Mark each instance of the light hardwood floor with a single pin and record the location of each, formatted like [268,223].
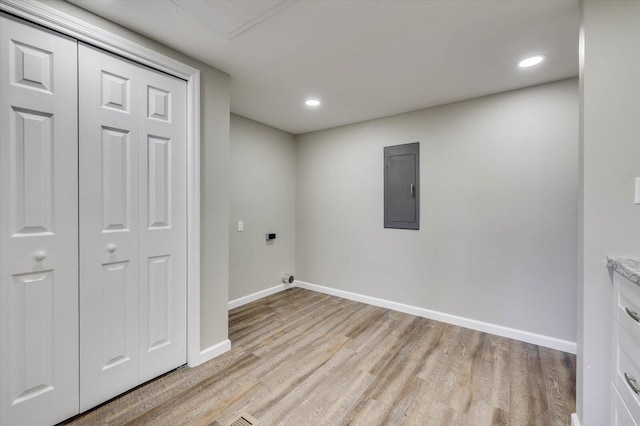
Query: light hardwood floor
[304,358]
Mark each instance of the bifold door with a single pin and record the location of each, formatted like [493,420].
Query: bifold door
[116,187]
[38,226]
[109,295]
[132,224]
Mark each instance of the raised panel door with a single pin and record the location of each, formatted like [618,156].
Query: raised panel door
[132,226]
[38,225]
[162,223]
[109,266]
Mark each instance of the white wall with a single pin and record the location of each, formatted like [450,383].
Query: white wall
[262,180]
[214,118]
[499,182]
[610,157]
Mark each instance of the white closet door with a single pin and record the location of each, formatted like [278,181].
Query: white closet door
[109,295]
[162,224]
[38,226]
[132,225]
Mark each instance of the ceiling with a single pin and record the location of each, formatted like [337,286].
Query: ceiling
[364,59]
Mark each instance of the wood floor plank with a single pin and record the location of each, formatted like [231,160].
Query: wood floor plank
[194,398]
[441,414]
[559,374]
[528,400]
[489,385]
[327,395]
[467,375]
[303,358]
[366,412]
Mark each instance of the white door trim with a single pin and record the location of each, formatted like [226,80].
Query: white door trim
[51,18]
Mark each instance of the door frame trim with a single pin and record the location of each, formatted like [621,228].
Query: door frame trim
[54,19]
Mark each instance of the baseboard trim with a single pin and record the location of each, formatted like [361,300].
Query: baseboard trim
[258,295]
[213,351]
[512,333]
[574,420]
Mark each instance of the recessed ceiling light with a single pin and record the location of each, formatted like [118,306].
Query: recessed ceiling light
[529,62]
[312,102]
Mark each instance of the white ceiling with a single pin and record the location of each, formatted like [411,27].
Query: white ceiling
[364,59]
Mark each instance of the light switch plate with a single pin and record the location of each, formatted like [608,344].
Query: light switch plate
[240,225]
[637,190]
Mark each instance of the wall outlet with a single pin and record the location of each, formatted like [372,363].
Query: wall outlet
[240,225]
[637,190]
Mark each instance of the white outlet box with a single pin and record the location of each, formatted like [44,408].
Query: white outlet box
[240,225]
[637,190]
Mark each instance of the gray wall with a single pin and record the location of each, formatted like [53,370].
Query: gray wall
[499,183]
[610,157]
[214,118]
[262,184]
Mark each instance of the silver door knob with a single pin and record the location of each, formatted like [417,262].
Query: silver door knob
[39,256]
[111,248]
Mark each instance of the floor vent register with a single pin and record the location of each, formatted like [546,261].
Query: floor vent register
[244,420]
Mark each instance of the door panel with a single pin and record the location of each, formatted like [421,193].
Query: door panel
[159,301]
[116,280]
[116,92]
[33,66]
[33,324]
[116,179]
[159,179]
[109,324]
[162,176]
[31,183]
[38,225]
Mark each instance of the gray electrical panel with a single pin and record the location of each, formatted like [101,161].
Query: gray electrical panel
[401,186]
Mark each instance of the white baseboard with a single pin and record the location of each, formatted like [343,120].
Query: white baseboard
[574,420]
[212,351]
[512,333]
[258,295]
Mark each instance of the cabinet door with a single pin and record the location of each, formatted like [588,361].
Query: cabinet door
[401,186]
[162,223]
[108,149]
[38,226]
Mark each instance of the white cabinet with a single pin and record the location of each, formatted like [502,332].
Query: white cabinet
[620,415]
[92,225]
[625,372]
